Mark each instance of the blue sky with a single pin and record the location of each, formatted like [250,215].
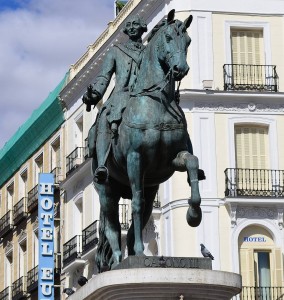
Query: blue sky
[39,40]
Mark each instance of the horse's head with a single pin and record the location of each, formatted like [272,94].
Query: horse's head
[173,45]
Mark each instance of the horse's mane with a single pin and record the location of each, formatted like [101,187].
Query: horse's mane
[160,25]
[156,29]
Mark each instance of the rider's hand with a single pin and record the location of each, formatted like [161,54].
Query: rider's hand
[91,98]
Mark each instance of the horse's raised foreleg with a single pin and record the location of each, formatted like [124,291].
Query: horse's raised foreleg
[134,170]
[190,162]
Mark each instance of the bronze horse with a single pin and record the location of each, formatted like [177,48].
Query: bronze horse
[152,144]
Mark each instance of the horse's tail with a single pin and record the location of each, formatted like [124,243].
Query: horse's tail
[104,252]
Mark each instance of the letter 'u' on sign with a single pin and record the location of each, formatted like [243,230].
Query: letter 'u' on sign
[46,236]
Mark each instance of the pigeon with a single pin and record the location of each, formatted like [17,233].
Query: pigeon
[68,291]
[82,280]
[205,252]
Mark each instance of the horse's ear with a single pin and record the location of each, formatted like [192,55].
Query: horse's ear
[171,16]
[188,21]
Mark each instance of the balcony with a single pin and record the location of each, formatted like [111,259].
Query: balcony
[33,199]
[72,251]
[254,183]
[6,294]
[6,224]
[261,78]
[123,216]
[32,280]
[261,293]
[20,210]
[58,176]
[90,237]
[19,290]
[74,159]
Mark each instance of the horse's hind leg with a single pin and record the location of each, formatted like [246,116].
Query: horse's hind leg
[149,195]
[190,162]
[134,170]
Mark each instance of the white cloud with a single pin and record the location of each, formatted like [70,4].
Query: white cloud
[39,41]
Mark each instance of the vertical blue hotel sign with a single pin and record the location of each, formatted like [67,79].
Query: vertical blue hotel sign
[46,236]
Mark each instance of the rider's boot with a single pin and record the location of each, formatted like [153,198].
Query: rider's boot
[103,142]
[114,129]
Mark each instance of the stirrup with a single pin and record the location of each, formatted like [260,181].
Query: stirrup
[101,174]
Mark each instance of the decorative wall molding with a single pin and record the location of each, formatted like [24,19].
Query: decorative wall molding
[35,224]
[9,248]
[238,107]
[22,236]
[241,212]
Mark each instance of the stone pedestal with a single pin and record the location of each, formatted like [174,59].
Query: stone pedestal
[160,282]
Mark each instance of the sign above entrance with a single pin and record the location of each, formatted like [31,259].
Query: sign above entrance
[257,239]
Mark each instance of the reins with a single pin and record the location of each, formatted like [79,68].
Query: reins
[155,87]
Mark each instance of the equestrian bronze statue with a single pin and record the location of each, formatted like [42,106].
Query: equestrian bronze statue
[144,132]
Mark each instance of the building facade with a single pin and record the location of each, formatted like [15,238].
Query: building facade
[37,147]
[233,102]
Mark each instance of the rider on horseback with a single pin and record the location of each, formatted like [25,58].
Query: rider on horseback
[123,60]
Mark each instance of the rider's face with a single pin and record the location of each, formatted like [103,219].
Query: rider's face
[134,29]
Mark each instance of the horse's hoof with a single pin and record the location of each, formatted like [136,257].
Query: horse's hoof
[101,175]
[194,216]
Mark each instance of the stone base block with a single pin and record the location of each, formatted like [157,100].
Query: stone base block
[160,283]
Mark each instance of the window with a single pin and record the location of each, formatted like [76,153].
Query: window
[261,263]
[251,143]
[79,132]
[23,185]
[22,258]
[35,248]
[10,197]
[8,270]
[248,70]
[38,167]
[55,154]
[262,268]
[247,47]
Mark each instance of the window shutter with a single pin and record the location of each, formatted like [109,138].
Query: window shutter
[251,144]
[247,47]
[278,267]
[247,267]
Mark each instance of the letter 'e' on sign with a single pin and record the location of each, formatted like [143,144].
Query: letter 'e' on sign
[46,236]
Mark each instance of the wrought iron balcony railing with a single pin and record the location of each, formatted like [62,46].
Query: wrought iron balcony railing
[32,279]
[33,199]
[20,210]
[260,293]
[74,159]
[239,77]
[86,149]
[6,294]
[157,202]
[58,176]
[19,290]
[6,223]
[123,216]
[90,236]
[254,183]
[72,250]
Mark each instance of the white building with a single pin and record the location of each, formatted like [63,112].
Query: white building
[233,101]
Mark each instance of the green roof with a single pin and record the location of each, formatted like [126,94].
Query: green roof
[43,122]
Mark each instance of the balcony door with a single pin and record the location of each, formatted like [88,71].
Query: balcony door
[252,160]
[247,57]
